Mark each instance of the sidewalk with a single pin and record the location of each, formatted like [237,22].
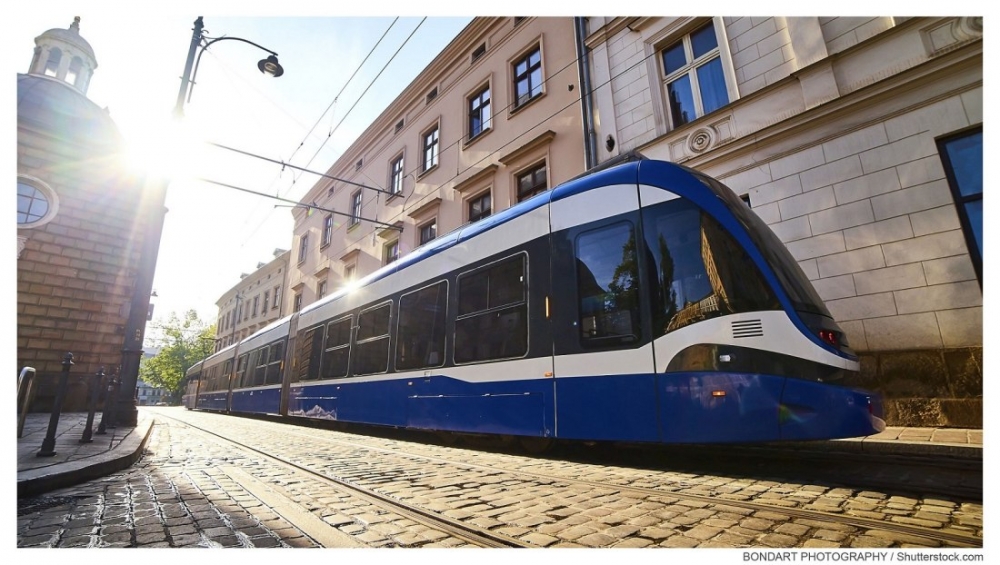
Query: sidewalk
[120,447]
[75,462]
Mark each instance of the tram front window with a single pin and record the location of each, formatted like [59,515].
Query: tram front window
[700,271]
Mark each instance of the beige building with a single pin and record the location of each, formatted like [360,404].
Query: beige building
[494,119]
[254,302]
[859,141]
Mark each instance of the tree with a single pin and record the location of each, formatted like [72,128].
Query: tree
[183,343]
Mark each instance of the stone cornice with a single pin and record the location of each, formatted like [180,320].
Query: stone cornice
[476,177]
[539,140]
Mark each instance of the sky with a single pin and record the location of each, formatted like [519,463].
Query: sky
[212,234]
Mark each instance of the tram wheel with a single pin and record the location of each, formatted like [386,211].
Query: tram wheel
[536,445]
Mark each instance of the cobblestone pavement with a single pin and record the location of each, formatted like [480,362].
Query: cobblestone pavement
[190,490]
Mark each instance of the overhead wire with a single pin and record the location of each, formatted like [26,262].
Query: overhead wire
[498,149]
[343,88]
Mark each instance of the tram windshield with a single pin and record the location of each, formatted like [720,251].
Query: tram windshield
[800,291]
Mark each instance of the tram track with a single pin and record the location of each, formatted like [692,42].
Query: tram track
[470,534]
[676,491]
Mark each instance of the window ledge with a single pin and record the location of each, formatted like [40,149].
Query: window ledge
[427,172]
[517,109]
[479,136]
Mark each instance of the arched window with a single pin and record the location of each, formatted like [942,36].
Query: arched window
[52,65]
[74,76]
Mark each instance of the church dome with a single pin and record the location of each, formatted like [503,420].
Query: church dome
[57,108]
[71,36]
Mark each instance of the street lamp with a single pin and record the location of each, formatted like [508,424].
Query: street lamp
[269,66]
[135,326]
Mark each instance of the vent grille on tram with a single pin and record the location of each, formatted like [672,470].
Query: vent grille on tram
[748,328]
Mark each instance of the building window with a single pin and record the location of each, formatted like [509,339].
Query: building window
[327,230]
[349,272]
[256,302]
[399,126]
[34,204]
[277,297]
[356,208]
[693,77]
[297,304]
[391,252]
[321,290]
[479,112]
[479,207]
[263,308]
[963,163]
[396,176]
[303,246]
[359,164]
[432,95]
[531,182]
[430,149]
[428,231]
[479,52]
[528,77]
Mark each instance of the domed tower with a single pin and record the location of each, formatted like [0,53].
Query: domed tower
[65,55]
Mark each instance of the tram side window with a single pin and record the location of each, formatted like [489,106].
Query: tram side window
[241,370]
[420,336]
[701,272]
[608,285]
[372,345]
[337,352]
[492,321]
[260,366]
[276,356]
[309,350]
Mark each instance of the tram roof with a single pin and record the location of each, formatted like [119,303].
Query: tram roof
[621,170]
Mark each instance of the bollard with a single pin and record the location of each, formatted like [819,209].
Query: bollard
[49,443]
[95,391]
[108,415]
[25,393]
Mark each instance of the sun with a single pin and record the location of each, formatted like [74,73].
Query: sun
[168,148]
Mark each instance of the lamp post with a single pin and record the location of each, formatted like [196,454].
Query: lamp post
[268,66]
[127,414]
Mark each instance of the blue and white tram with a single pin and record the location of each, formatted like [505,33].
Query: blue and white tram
[643,302]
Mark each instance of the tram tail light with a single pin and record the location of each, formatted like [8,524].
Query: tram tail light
[830,337]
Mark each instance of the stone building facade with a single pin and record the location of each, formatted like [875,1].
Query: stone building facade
[87,228]
[859,141]
[254,302]
[494,119]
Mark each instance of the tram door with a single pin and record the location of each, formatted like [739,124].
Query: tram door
[603,359]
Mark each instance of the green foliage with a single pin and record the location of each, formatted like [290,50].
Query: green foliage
[183,343]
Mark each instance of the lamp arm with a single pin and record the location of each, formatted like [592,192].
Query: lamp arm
[205,48]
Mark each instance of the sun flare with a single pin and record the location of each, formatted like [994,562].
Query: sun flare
[171,149]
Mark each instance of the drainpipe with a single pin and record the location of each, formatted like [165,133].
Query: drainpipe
[586,96]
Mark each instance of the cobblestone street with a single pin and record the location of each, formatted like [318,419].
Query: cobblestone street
[191,489]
